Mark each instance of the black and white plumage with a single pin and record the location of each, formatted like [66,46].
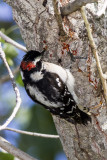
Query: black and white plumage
[53,87]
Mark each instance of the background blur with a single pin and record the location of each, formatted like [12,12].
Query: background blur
[31,117]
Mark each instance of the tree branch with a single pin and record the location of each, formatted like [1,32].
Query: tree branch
[93,46]
[9,40]
[18,99]
[62,33]
[58,18]
[74,6]
[14,151]
[32,133]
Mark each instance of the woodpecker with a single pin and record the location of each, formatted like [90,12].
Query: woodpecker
[53,87]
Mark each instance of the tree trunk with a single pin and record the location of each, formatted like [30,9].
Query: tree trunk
[39,27]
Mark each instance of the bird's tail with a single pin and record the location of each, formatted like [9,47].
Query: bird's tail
[81,116]
[85,115]
[84,118]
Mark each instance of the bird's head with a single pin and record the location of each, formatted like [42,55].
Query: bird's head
[30,60]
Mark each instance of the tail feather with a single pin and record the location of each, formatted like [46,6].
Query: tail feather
[84,114]
[80,117]
[85,118]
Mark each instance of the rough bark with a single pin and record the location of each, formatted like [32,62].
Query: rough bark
[39,28]
[74,6]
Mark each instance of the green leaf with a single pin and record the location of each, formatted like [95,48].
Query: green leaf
[19,80]
[6,156]
[11,29]
[3,31]
[9,50]
[11,53]
[2,40]
[10,61]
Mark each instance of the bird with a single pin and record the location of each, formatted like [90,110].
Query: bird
[52,86]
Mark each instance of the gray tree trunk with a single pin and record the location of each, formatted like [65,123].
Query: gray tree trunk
[39,28]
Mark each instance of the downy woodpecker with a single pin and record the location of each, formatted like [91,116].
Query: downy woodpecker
[53,87]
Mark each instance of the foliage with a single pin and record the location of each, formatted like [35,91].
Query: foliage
[6,156]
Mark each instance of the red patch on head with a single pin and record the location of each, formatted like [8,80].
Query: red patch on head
[27,65]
